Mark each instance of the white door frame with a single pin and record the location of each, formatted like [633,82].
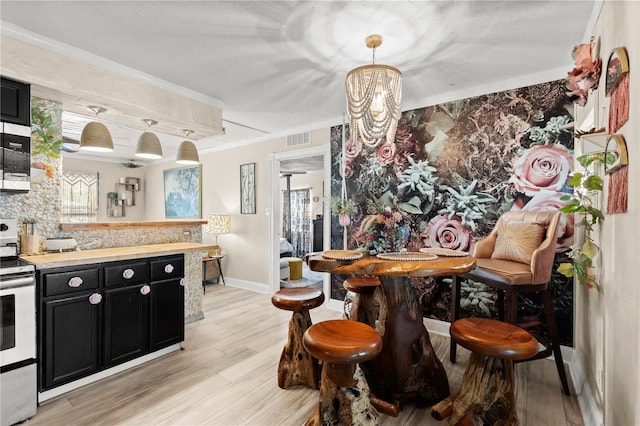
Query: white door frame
[274,208]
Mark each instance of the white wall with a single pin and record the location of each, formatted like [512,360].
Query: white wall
[607,327]
[247,246]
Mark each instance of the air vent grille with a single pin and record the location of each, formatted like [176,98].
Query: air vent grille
[299,139]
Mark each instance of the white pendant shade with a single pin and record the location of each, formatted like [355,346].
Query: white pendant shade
[149,146]
[187,153]
[374,93]
[96,137]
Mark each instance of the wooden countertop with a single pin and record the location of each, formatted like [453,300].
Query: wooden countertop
[72,258]
[123,225]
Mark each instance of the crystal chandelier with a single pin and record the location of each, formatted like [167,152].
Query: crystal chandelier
[373,99]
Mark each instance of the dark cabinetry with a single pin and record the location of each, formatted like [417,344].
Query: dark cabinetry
[93,318]
[15,98]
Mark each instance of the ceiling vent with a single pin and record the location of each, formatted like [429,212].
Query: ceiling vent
[299,139]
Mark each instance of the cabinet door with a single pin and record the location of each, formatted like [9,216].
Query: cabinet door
[71,338]
[167,313]
[126,323]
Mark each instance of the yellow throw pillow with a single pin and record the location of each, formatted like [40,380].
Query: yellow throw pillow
[517,240]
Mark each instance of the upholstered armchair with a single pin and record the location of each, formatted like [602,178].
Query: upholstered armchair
[517,256]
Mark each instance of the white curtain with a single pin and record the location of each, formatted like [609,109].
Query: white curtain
[300,220]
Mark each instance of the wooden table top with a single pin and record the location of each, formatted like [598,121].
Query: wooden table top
[371,265]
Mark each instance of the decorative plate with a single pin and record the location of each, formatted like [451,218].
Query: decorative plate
[444,252]
[342,254]
[406,255]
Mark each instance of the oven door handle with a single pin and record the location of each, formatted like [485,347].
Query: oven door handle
[18,282]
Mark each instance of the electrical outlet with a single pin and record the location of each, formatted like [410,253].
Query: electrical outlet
[186,233]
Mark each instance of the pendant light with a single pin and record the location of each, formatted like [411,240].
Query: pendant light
[374,93]
[187,152]
[95,136]
[148,143]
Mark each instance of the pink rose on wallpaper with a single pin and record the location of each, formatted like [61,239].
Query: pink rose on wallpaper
[353,148]
[542,167]
[348,169]
[550,201]
[386,152]
[447,233]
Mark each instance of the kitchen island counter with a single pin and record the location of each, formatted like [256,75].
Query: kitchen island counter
[83,257]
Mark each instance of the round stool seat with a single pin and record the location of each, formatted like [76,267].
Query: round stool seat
[342,341]
[361,284]
[493,338]
[297,299]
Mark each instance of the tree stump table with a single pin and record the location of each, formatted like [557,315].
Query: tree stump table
[364,308]
[486,395]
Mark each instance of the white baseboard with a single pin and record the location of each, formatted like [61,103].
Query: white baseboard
[247,285]
[591,414]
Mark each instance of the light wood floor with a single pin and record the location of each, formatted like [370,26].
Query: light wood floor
[226,375]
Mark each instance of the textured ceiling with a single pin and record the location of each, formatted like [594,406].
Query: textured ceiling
[278,67]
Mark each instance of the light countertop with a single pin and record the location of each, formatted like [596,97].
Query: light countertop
[72,258]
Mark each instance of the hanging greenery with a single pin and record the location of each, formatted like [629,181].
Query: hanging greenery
[46,134]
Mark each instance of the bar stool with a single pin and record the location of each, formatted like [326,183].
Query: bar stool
[486,395]
[363,307]
[344,393]
[296,366]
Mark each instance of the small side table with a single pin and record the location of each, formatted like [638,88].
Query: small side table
[207,268]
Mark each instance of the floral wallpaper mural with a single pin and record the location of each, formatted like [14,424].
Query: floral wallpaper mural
[451,171]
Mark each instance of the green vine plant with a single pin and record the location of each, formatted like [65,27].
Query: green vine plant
[587,186]
[46,134]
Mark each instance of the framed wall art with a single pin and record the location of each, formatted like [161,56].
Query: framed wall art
[183,193]
[248,188]
[617,66]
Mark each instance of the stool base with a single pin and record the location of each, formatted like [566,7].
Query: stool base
[486,395]
[343,405]
[297,366]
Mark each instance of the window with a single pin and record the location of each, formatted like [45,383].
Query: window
[79,197]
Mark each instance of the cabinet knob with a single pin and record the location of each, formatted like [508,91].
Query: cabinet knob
[145,289]
[183,281]
[168,268]
[75,282]
[128,274]
[95,298]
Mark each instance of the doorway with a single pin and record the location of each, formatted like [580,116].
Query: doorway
[300,182]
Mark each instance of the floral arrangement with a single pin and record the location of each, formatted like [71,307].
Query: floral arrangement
[385,232]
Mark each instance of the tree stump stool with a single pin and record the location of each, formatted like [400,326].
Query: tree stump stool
[486,395]
[364,308]
[297,366]
[344,393]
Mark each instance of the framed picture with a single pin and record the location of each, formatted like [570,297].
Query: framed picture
[248,188]
[617,65]
[182,192]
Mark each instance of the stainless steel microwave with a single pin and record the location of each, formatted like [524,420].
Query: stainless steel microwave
[15,158]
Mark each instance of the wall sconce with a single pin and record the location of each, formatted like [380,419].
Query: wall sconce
[95,136]
[374,93]
[187,152]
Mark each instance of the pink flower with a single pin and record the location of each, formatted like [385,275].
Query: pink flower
[541,167]
[348,169]
[386,152]
[353,148]
[447,233]
[550,201]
